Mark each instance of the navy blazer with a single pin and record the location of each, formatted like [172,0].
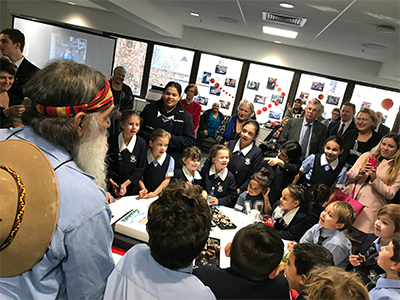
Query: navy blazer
[333,127]
[24,73]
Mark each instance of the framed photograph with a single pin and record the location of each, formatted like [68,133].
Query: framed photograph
[271,83]
[365,104]
[317,86]
[224,104]
[206,77]
[275,115]
[230,82]
[202,100]
[259,99]
[278,98]
[253,85]
[215,91]
[220,69]
[333,100]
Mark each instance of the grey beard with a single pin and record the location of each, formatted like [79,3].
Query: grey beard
[90,156]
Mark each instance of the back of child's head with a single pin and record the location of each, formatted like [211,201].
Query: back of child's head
[320,194]
[333,283]
[179,223]
[256,251]
[308,256]
[297,193]
[338,140]
[393,212]
[126,115]
[293,150]
[214,152]
[159,133]
[345,213]
[396,250]
[262,178]
[192,153]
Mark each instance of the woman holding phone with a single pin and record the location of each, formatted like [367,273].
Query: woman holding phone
[376,178]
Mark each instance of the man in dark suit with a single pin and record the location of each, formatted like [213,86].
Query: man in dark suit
[346,121]
[12,42]
[382,129]
[309,132]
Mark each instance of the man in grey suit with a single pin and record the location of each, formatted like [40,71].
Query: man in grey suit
[308,131]
[382,129]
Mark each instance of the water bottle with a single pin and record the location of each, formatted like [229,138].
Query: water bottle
[210,195]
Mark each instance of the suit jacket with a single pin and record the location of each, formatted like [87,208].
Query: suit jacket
[383,130]
[292,132]
[24,73]
[333,127]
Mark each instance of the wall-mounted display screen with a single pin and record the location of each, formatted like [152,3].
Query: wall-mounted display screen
[170,64]
[329,92]
[217,81]
[387,102]
[45,42]
[268,89]
[131,55]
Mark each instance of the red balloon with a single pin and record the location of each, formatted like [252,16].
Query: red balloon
[276,103]
[387,103]
[212,80]
[283,95]
[320,96]
[270,105]
[258,112]
[216,85]
[280,90]
[264,108]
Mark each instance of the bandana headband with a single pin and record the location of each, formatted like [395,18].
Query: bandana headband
[102,100]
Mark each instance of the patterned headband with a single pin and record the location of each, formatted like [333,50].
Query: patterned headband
[102,100]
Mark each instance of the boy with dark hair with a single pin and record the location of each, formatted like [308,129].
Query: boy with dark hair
[255,253]
[388,285]
[179,224]
[336,217]
[302,259]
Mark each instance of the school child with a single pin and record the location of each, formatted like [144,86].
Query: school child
[303,258]
[246,157]
[335,284]
[217,181]
[325,168]
[387,225]
[319,196]
[336,217]
[256,196]
[282,167]
[255,253]
[127,157]
[160,165]
[388,285]
[289,215]
[190,162]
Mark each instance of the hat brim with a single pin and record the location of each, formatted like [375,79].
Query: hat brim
[41,206]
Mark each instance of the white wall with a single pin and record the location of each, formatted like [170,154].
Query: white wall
[223,44]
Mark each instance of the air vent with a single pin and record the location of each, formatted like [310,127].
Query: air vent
[283,19]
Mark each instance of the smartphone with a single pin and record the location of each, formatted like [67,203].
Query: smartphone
[372,161]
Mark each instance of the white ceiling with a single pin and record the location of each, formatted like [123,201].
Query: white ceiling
[334,26]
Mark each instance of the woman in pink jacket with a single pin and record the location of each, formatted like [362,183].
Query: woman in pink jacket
[375,186]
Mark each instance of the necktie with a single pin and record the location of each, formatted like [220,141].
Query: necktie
[340,133]
[304,141]
[321,239]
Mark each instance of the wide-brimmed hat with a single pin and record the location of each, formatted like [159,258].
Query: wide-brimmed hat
[29,203]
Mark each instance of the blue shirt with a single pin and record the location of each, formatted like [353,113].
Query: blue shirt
[307,169]
[385,289]
[78,260]
[139,276]
[212,125]
[336,242]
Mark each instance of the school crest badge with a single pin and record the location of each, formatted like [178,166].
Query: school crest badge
[247,161]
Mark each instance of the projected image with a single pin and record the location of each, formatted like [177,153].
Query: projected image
[68,48]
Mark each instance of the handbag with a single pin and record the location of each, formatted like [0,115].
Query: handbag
[340,196]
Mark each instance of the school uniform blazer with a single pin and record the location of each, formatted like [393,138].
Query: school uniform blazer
[243,167]
[24,73]
[292,132]
[333,127]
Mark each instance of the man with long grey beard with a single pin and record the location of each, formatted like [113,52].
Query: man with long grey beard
[68,121]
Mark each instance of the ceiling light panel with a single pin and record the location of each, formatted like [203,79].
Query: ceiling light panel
[280,32]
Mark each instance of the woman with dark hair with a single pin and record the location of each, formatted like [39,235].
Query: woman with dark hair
[168,114]
[209,123]
[123,96]
[270,142]
[191,106]
[10,106]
